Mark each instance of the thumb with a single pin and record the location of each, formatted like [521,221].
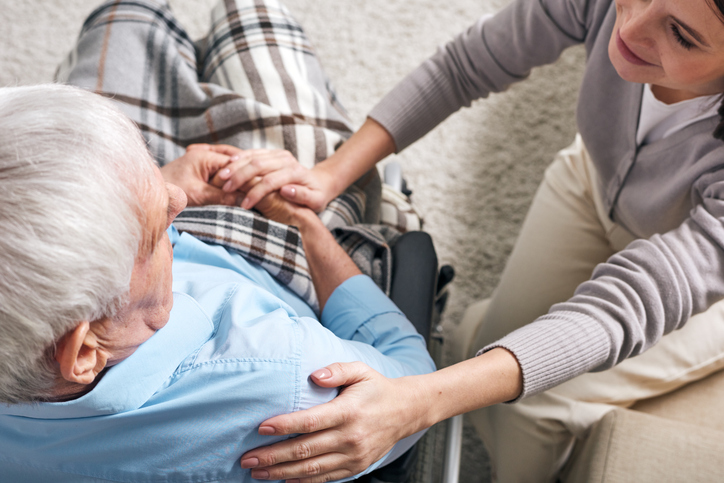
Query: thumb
[213,162]
[211,195]
[341,374]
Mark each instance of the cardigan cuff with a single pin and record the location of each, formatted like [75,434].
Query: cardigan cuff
[555,348]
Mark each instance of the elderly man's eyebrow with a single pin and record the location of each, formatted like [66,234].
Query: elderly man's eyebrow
[164,222]
[157,234]
[697,36]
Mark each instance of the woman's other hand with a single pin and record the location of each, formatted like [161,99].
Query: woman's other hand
[259,172]
[266,171]
[347,434]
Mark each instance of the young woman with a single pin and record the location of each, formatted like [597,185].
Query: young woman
[624,241]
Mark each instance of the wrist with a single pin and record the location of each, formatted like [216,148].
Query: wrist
[355,157]
[330,178]
[419,410]
[306,219]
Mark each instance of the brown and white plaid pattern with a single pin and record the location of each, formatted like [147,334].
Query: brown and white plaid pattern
[274,246]
[252,82]
[278,247]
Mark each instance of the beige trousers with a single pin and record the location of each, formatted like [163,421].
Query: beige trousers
[565,235]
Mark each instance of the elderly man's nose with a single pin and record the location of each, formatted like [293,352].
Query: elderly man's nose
[177,200]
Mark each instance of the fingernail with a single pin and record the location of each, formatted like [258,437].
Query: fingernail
[234,157]
[260,474]
[322,373]
[250,463]
[292,192]
[266,430]
[227,186]
[224,173]
[245,204]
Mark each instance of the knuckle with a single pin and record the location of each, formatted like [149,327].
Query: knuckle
[313,468]
[310,424]
[302,451]
[336,368]
[359,366]
[267,459]
[360,462]
[256,163]
[356,438]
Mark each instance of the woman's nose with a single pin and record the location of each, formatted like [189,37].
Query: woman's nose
[639,20]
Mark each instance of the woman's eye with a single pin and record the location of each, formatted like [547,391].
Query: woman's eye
[680,38]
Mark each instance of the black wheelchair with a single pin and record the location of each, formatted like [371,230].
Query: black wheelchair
[420,290]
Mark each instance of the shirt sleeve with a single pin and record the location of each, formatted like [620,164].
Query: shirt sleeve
[488,57]
[361,324]
[641,293]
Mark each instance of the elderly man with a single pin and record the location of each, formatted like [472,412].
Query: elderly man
[129,352]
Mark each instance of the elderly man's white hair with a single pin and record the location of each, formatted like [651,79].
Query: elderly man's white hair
[72,172]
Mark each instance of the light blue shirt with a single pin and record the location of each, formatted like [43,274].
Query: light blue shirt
[237,350]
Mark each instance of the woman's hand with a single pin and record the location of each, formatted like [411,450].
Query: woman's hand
[259,172]
[369,416]
[193,171]
[348,434]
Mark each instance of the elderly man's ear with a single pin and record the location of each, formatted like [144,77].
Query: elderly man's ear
[79,355]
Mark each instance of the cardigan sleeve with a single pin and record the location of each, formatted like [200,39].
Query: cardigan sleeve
[650,288]
[488,57]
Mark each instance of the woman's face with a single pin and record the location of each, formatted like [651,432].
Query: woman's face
[677,45]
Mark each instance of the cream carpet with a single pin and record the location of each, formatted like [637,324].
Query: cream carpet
[473,177]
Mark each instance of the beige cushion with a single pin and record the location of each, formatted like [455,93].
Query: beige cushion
[676,437]
[631,446]
[700,403]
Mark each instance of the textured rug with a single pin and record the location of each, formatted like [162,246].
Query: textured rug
[472,178]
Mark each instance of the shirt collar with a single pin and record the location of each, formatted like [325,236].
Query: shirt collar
[130,383]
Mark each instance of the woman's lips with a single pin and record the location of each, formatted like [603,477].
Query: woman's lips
[627,54]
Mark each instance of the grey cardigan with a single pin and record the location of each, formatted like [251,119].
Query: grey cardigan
[669,193]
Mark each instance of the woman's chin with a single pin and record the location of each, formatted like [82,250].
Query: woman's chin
[632,73]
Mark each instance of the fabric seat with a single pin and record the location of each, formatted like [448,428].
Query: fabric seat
[675,437]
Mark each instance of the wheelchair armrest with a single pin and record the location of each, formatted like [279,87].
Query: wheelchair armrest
[414,279]
[415,288]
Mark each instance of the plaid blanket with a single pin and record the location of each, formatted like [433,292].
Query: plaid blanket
[253,82]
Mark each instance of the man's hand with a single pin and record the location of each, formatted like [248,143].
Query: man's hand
[259,172]
[346,435]
[262,171]
[278,209]
[273,206]
[193,171]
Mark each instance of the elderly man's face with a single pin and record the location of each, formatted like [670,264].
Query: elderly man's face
[150,297]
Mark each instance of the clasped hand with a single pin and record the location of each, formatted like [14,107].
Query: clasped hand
[227,175]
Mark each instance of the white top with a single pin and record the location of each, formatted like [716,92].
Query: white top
[658,120]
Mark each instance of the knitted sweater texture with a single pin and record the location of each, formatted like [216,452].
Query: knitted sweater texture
[669,193]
